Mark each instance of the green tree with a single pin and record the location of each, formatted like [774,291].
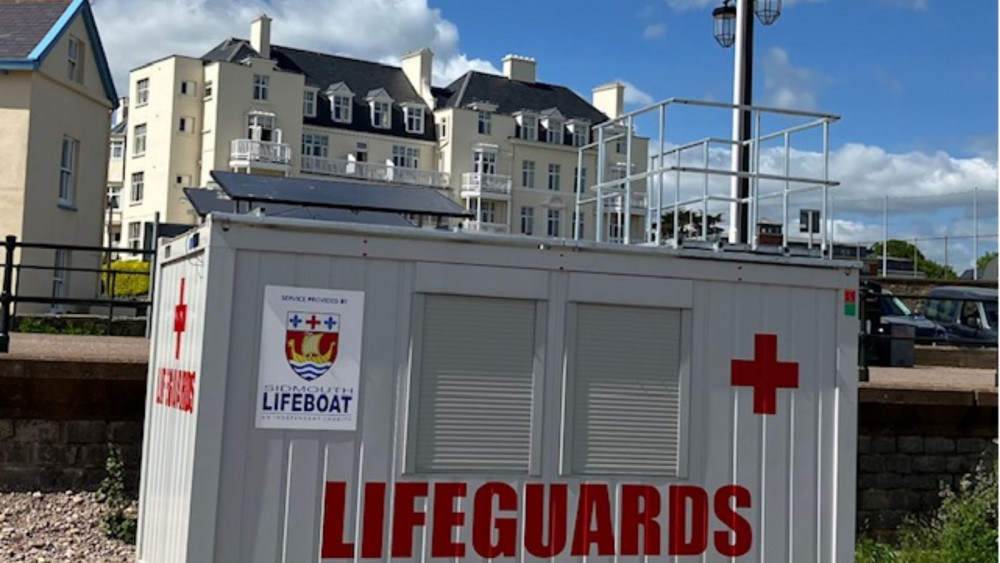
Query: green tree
[985,259]
[903,249]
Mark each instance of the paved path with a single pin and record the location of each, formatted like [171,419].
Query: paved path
[934,377]
[124,349]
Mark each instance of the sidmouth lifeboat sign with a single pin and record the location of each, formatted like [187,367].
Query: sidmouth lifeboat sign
[689,521]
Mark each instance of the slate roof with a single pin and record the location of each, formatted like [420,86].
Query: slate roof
[322,71]
[121,128]
[512,96]
[23,24]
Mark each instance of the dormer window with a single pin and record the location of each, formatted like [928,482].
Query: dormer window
[554,132]
[580,130]
[414,119]
[381,116]
[341,108]
[553,121]
[529,126]
[381,108]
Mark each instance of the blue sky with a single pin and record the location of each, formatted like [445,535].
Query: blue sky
[905,75]
[914,80]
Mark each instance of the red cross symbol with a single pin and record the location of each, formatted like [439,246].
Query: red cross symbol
[180,321]
[313,322]
[765,373]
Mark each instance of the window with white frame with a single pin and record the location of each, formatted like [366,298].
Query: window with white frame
[554,170]
[186,125]
[314,144]
[579,134]
[577,228]
[74,60]
[529,127]
[340,108]
[135,235]
[601,440]
[381,114]
[138,187]
[527,220]
[361,151]
[618,172]
[139,140]
[616,230]
[582,185]
[487,212]
[405,157]
[484,161]
[261,85]
[209,89]
[528,173]
[552,226]
[554,132]
[117,149]
[468,349]
[142,92]
[67,171]
[309,103]
[485,125]
[60,274]
[189,88]
[260,126]
[414,119]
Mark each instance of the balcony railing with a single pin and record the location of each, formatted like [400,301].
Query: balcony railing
[477,184]
[481,227]
[250,151]
[374,171]
[639,203]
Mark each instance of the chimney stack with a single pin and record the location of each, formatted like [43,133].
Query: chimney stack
[417,67]
[516,67]
[260,35]
[609,99]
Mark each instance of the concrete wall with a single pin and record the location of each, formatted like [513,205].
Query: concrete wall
[57,419]
[911,444]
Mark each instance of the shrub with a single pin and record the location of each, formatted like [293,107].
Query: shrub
[963,530]
[130,277]
[119,520]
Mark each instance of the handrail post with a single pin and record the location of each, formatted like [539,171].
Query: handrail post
[6,298]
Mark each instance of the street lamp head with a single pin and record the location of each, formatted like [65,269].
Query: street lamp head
[725,24]
[767,10]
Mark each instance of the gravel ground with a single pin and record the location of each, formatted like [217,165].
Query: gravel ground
[55,527]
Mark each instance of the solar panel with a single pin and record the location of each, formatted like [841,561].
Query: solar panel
[343,194]
[207,201]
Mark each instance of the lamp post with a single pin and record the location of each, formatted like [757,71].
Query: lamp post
[733,25]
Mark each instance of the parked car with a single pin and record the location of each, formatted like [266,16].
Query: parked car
[885,310]
[969,314]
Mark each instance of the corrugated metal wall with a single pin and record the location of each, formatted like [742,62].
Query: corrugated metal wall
[268,505]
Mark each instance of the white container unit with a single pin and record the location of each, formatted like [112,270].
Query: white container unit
[325,392]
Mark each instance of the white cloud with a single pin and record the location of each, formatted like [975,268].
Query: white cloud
[915,5]
[789,86]
[634,96]
[654,30]
[135,33]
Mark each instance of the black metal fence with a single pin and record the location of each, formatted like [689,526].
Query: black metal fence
[102,294]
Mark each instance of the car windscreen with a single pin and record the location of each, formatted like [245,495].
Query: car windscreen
[898,307]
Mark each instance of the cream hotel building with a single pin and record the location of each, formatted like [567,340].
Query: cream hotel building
[504,146]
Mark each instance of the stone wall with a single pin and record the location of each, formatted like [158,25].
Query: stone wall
[58,418]
[911,444]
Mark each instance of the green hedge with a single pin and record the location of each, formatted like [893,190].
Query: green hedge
[127,284]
